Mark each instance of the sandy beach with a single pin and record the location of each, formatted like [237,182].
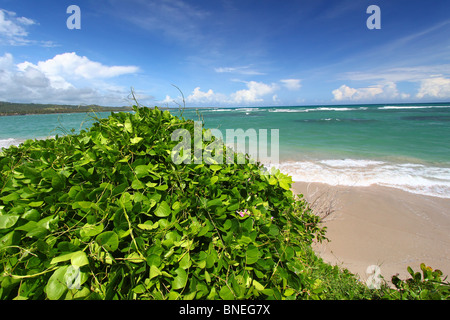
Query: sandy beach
[381,226]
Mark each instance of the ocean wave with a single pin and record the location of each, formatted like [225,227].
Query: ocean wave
[319,109]
[338,109]
[6,143]
[414,178]
[247,109]
[288,110]
[409,107]
[220,110]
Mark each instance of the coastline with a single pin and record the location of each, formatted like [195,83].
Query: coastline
[381,226]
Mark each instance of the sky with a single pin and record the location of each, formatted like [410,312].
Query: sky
[225,53]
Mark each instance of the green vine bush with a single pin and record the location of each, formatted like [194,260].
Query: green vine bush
[106,214]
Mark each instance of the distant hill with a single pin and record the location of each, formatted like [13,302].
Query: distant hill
[10,108]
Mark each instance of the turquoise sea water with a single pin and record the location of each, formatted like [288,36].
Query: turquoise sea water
[402,146]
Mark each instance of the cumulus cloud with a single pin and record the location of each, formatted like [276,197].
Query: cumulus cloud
[291,84]
[65,78]
[70,64]
[433,82]
[380,91]
[438,87]
[255,92]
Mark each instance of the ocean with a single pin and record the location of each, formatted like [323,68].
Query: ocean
[404,146]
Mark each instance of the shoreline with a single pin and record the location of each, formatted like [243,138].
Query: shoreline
[381,226]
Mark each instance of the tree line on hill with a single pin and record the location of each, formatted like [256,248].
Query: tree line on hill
[11,108]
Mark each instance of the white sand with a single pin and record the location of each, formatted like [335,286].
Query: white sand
[382,226]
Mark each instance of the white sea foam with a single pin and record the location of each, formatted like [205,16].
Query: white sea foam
[415,178]
[319,109]
[6,143]
[288,110]
[247,109]
[221,110]
[409,107]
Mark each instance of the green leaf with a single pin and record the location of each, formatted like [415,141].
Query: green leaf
[136,140]
[141,171]
[56,285]
[9,239]
[31,215]
[214,179]
[215,167]
[36,204]
[91,230]
[163,210]
[10,197]
[225,293]
[82,205]
[57,182]
[258,286]
[214,203]
[7,221]
[128,126]
[79,259]
[185,262]
[148,225]
[180,280]
[207,277]
[39,232]
[252,254]
[154,272]
[135,257]
[62,258]
[109,240]
[272,181]
[285,185]
[136,184]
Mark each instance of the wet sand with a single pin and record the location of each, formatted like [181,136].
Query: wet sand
[381,226]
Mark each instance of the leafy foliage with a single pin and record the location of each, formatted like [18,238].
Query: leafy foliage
[106,214]
[427,285]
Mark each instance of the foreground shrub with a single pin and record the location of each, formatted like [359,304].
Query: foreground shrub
[428,285]
[106,214]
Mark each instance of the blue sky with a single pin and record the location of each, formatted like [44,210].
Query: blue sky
[225,53]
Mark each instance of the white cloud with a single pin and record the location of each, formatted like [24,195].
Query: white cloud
[66,78]
[245,70]
[254,92]
[70,64]
[13,29]
[11,26]
[438,87]
[381,91]
[434,82]
[291,84]
[344,93]
[408,74]
[210,96]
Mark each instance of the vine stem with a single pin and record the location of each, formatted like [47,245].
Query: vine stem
[31,275]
